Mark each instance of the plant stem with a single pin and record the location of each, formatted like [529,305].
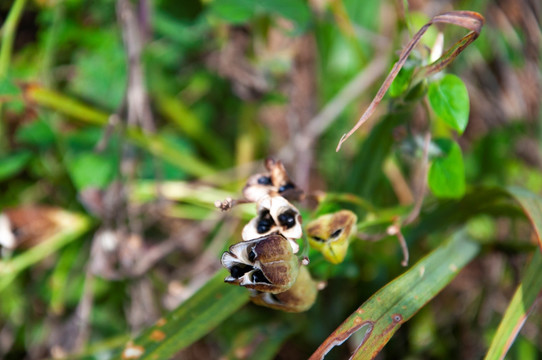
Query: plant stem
[8,36]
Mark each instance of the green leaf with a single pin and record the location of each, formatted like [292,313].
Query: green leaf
[402,81]
[450,101]
[532,206]
[518,310]
[382,315]
[261,341]
[296,10]
[531,283]
[446,176]
[37,133]
[234,11]
[92,170]
[207,308]
[8,88]
[13,163]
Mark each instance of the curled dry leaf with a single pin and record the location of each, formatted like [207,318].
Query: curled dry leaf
[265,264]
[469,20]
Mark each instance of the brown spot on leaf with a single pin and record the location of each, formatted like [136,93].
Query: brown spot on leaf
[161,322]
[157,335]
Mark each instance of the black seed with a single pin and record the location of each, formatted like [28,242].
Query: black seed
[239,270]
[251,255]
[264,180]
[265,222]
[336,233]
[287,218]
[286,186]
[259,277]
[318,239]
[264,226]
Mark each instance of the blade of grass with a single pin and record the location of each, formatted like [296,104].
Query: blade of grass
[381,315]
[207,308]
[8,37]
[521,305]
[530,287]
[74,225]
[261,342]
[153,143]
[532,206]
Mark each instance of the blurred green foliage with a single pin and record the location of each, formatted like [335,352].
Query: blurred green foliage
[223,81]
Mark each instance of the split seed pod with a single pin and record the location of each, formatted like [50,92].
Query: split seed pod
[265,264]
[300,297]
[275,214]
[28,226]
[330,234]
[273,182]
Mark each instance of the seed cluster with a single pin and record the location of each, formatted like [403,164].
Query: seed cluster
[265,261]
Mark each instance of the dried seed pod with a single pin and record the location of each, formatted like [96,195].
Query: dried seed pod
[266,264]
[330,234]
[300,297]
[275,214]
[30,225]
[274,182]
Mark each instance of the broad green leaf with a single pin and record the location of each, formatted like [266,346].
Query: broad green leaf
[8,88]
[382,315]
[234,11]
[450,101]
[446,176]
[207,308]
[296,10]
[101,74]
[72,226]
[518,310]
[92,170]
[13,163]
[37,133]
[402,81]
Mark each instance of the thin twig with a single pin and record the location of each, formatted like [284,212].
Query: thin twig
[419,192]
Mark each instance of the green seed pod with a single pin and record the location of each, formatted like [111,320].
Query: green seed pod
[330,234]
[300,297]
[265,264]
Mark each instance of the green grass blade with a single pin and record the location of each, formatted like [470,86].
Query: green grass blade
[207,308]
[532,206]
[153,143]
[531,283]
[261,342]
[518,310]
[381,315]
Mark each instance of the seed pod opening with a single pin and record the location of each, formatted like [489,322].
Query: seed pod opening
[265,264]
[330,234]
[273,182]
[275,215]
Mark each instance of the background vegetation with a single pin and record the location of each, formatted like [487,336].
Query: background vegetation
[123,122]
